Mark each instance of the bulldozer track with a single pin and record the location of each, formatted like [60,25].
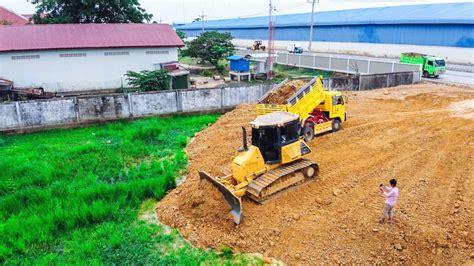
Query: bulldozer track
[275,178]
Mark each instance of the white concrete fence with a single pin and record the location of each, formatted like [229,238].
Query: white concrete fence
[88,109]
[339,63]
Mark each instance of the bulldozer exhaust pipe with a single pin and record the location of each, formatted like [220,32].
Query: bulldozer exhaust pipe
[244,139]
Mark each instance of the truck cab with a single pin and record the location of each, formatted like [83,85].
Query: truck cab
[434,66]
[295,48]
[329,114]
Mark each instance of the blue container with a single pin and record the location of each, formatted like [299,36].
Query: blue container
[239,63]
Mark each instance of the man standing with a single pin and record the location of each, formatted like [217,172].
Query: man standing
[391,195]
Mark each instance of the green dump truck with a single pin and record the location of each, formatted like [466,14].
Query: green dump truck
[433,66]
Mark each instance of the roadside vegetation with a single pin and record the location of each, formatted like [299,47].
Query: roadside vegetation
[149,80]
[75,196]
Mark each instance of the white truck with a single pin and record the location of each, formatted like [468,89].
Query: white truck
[295,48]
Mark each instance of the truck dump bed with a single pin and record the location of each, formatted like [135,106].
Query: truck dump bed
[302,102]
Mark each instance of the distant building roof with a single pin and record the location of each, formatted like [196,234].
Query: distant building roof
[449,13]
[82,36]
[8,17]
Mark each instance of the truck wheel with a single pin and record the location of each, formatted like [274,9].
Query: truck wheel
[336,125]
[436,76]
[308,133]
[425,74]
[311,171]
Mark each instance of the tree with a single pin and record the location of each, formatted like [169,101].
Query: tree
[211,46]
[86,11]
[149,80]
[181,35]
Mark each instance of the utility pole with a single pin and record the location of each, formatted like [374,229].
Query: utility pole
[312,2]
[202,20]
[271,41]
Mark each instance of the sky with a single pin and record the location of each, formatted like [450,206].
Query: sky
[187,10]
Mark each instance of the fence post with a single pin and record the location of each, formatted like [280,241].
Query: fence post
[18,114]
[76,109]
[347,68]
[179,101]
[222,97]
[330,63]
[130,108]
[368,66]
[360,81]
[314,61]
[299,60]
[393,66]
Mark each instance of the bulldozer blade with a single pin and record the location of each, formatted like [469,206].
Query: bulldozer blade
[234,202]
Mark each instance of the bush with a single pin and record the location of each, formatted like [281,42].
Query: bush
[206,73]
[149,80]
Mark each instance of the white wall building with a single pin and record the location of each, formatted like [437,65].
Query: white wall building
[80,57]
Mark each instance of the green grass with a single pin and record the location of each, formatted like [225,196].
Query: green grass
[282,72]
[74,196]
[188,60]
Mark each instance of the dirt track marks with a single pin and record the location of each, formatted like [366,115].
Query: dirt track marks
[410,134]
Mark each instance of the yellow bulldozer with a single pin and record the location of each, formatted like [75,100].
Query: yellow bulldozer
[272,163]
[258,46]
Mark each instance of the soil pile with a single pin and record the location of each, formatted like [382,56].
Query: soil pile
[282,94]
[410,132]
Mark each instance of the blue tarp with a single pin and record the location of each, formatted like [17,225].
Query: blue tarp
[234,57]
[449,13]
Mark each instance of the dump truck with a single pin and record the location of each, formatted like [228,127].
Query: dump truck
[433,66]
[320,110]
[273,162]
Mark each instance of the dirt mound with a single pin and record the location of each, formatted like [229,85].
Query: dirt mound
[285,91]
[408,133]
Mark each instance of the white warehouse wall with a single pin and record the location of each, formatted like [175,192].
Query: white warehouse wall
[452,54]
[94,71]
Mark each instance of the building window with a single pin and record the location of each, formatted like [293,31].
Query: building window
[25,57]
[73,55]
[157,52]
[116,53]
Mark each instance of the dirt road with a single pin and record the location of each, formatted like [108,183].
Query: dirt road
[423,135]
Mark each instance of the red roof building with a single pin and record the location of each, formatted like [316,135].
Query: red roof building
[79,57]
[8,17]
[80,36]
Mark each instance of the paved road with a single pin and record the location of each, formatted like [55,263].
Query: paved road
[456,77]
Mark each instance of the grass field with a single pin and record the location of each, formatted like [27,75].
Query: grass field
[74,196]
[282,72]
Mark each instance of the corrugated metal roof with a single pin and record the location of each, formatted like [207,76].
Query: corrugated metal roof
[81,36]
[450,13]
[8,17]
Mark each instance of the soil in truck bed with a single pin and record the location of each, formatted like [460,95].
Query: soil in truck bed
[280,95]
